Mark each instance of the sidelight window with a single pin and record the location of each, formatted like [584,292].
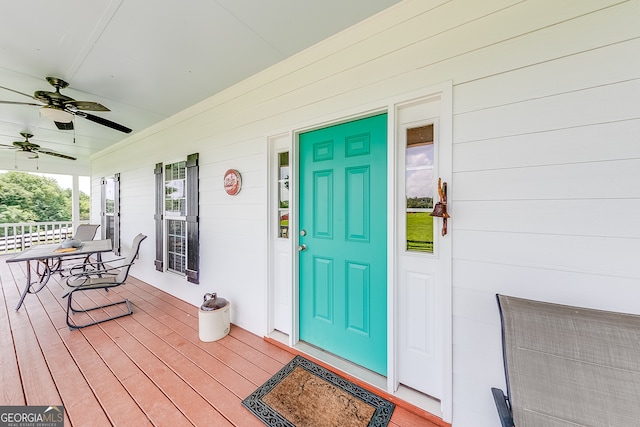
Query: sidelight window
[283,194]
[419,188]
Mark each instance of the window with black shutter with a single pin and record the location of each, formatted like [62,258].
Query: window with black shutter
[177,218]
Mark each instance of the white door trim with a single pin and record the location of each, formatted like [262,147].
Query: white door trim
[445,92]
[279,272]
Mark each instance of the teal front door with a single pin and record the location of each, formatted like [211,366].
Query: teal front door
[343,240]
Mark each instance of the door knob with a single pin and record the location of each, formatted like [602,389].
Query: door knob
[302,248]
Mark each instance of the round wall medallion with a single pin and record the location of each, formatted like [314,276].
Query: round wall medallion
[232,182]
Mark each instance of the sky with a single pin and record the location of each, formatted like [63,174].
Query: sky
[419,171]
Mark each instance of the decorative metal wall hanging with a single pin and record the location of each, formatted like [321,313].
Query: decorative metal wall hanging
[440,209]
[232,182]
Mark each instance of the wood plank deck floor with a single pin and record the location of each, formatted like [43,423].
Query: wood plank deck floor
[146,369]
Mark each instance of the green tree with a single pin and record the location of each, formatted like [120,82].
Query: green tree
[32,198]
[39,198]
[85,206]
[9,214]
[420,202]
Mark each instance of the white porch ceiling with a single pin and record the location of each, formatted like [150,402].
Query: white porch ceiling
[145,59]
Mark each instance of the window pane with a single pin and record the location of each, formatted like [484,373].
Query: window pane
[109,227]
[283,194]
[176,245]
[109,196]
[175,205]
[174,189]
[419,188]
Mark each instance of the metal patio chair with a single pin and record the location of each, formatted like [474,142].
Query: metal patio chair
[568,366]
[91,276]
[83,233]
[86,232]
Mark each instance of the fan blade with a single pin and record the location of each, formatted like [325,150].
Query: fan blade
[87,105]
[21,103]
[19,93]
[64,126]
[101,121]
[53,153]
[7,146]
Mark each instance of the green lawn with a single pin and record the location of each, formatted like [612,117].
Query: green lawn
[419,232]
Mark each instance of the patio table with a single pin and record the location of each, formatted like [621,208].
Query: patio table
[45,253]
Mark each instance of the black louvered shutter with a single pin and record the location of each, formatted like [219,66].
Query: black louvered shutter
[193,224]
[158,217]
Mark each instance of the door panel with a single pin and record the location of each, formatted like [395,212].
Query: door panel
[357,206]
[323,289]
[323,205]
[358,298]
[343,270]
[423,262]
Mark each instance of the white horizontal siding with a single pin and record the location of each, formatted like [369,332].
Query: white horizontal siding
[545,195]
[601,104]
[601,180]
[565,287]
[603,256]
[616,218]
[592,143]
[544,198]
[556,72]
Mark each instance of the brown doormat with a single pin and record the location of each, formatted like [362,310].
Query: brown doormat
[303,394]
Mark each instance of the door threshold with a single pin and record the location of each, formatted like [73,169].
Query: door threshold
[406,394]
[343,365]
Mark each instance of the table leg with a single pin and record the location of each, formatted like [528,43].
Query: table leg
[26,288]
[44,279]
[99,262]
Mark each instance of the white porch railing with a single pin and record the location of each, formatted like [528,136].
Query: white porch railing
[16,237]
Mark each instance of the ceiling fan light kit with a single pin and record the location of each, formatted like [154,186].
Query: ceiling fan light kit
[56,114]
[27,154]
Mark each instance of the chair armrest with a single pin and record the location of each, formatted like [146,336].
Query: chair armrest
[91,264]
[90,267]
[503,407]
[108,271]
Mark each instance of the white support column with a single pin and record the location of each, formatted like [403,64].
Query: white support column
[75,201]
